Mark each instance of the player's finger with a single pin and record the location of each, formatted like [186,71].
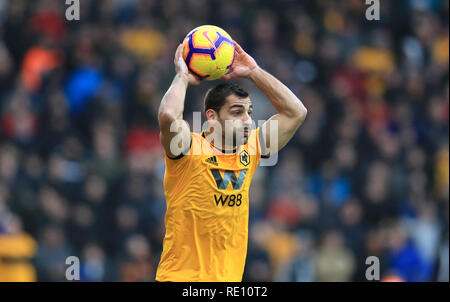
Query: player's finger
[227,76]
[238,47]
[196,82]
[193,80]
[181,65]
[178,51]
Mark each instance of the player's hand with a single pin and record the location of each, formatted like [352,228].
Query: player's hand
[242,66]
[182,69]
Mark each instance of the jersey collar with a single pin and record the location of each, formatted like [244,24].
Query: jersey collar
[224,151]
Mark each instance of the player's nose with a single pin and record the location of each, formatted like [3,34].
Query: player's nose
[247,120]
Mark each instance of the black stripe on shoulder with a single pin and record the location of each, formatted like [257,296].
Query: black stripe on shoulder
[262,144]
[181,154]
[176,157]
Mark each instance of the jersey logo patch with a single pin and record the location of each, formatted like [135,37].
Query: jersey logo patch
[212,160]
[244,158]
[222,182]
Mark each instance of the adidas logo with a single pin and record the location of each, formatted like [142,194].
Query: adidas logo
[212,160]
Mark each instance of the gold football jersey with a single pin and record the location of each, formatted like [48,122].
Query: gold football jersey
[207,212]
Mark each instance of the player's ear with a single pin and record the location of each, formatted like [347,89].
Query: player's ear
[211,114]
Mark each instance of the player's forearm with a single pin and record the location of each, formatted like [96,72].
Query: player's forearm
[282,98]
[172,104]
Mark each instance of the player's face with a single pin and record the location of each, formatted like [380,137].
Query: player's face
[237,111]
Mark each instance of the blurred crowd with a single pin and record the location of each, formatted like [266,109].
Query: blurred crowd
[367,174]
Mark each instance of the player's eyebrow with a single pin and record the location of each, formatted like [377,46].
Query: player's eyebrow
[240,106]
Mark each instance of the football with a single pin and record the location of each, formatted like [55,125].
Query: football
[208,52]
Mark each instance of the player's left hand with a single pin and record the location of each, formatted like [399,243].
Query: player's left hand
[242,66]
[181,67]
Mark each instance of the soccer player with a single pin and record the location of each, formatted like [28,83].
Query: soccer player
[207,192]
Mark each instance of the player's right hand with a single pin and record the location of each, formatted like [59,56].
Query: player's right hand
[182,69]
[243,64]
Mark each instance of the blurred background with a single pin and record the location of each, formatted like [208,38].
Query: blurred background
[81,166]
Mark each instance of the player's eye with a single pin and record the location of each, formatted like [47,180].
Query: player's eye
[236,112]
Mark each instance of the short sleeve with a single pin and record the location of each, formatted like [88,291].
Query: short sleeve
[177,164]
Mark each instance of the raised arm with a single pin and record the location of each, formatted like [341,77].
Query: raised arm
[291,111]
[170,114]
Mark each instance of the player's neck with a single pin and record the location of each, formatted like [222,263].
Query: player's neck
[218,143]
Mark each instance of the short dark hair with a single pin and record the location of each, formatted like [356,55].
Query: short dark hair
[215,97]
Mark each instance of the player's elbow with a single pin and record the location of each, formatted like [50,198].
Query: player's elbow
[303,113]
[296,112]
[300,113]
